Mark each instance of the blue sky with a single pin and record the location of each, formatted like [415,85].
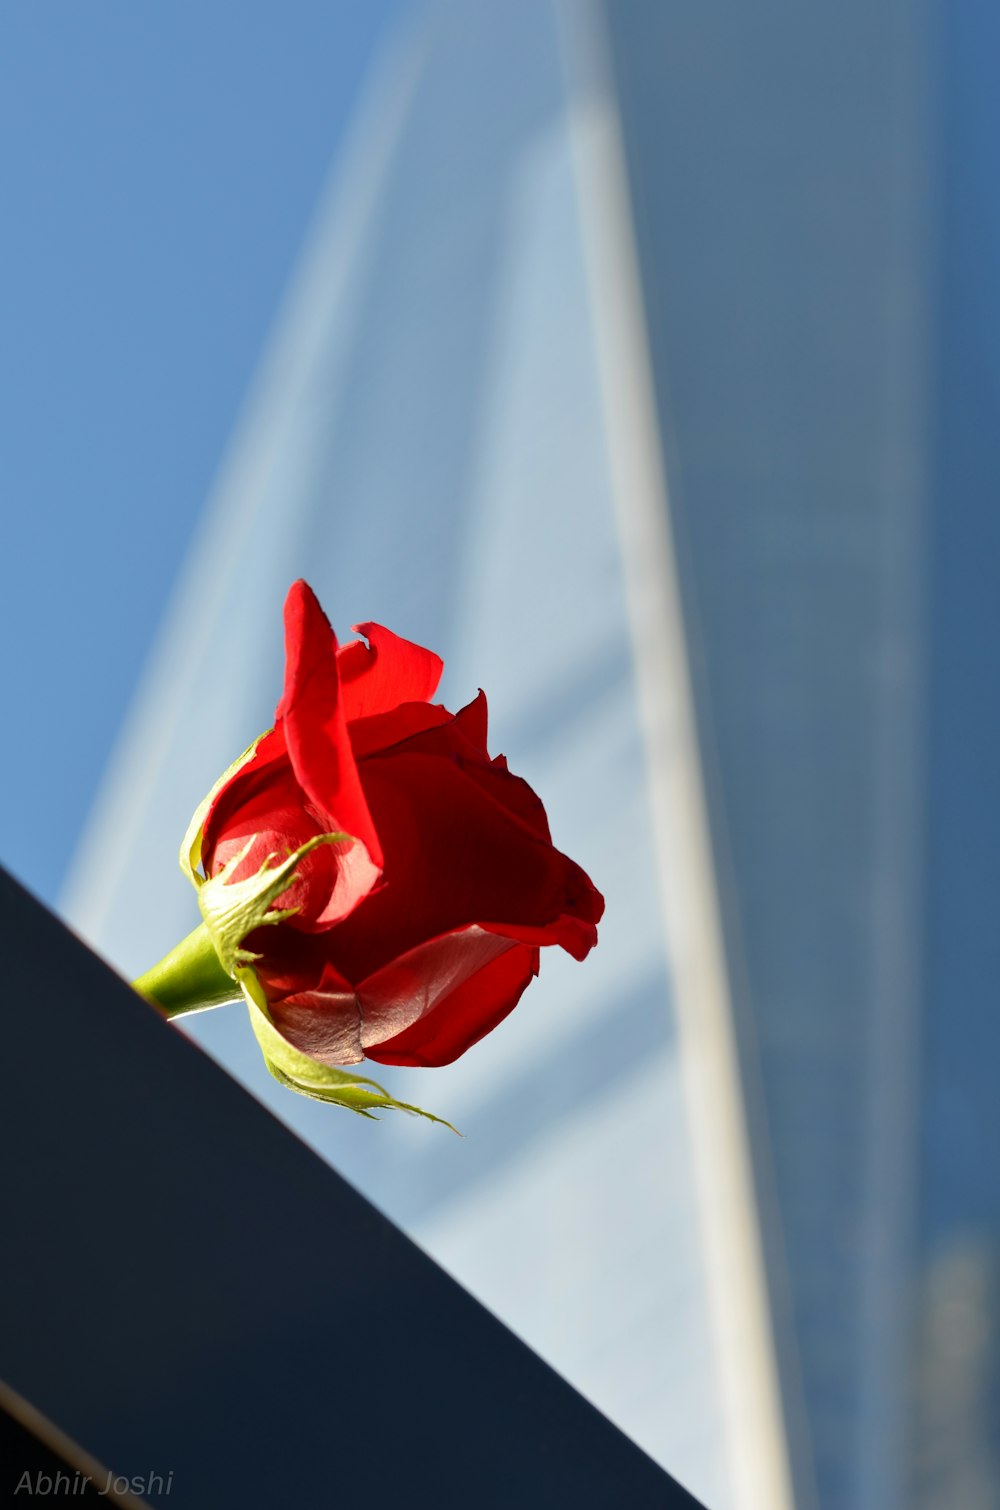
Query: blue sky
[159,165]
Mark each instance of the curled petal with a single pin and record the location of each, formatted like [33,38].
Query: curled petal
[463,1015]
[323,1021]
[262,815]
[312,718]
[411,987]
[244,777]
[576,934]
[336,1024]
[377,677]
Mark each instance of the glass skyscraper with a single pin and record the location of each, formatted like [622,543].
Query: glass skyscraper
[626,366]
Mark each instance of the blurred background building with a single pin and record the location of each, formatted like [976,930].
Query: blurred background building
[644,360]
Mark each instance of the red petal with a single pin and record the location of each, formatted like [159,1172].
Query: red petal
[511,791]
[462,737]
[472,722]
[454,856]
[463,1015]
[270,752]
[271,810]
[410,987]
[371,735]
[377,677]
[311,715]
[289,961]
[268,809]
[324,1022]
[573,934]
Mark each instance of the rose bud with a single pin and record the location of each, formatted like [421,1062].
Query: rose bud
[371,879]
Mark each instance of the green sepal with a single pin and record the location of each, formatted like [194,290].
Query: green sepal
[321,1082]
[233,909]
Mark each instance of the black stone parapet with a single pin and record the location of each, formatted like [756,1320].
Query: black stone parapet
[197,1300]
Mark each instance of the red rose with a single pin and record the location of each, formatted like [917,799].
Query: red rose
[416,936]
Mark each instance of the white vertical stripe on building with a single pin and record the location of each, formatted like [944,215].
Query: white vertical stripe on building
[732,1239]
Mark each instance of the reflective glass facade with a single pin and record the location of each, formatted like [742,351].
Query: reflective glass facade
[441,437]
[816,207]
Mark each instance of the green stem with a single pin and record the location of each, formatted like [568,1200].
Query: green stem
[189,978]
